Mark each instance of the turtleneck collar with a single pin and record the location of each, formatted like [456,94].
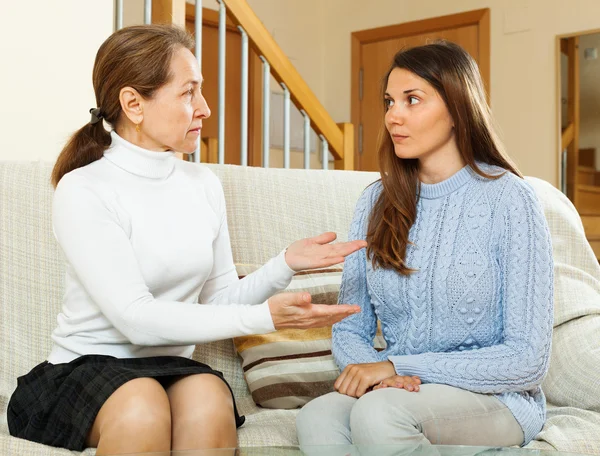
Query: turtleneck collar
[139,161]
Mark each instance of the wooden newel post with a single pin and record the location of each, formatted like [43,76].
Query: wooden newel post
[347,161]
[168,12]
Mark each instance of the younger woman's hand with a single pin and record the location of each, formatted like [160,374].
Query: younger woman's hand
[400,381]
[357,379]
[317,252]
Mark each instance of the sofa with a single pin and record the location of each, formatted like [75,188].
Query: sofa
[267,210]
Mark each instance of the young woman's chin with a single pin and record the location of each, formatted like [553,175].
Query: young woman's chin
[406,153]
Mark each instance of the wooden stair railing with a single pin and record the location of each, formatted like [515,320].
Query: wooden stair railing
[339,136]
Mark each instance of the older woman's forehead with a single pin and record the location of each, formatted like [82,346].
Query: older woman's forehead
[185,68]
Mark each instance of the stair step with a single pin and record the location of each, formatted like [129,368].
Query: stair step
[588,175]
[587,157]
[589,188]
[591,225]
[587,169]
[588,199]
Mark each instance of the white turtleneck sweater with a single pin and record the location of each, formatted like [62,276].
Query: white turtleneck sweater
[145,239]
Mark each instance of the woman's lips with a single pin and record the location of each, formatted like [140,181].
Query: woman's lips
[399,138]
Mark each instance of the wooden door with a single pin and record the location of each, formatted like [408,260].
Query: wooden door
[372,53]
[210,58]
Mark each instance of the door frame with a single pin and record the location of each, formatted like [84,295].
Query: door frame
[572,161]
[480,17]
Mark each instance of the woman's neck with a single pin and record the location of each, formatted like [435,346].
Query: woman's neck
[441,164]
[129,134]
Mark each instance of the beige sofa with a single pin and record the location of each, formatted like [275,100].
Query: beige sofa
[267,210]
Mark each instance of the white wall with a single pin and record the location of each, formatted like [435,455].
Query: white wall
[48,50]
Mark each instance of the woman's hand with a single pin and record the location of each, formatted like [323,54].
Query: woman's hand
[295,310]
[400,381]
[317,252]
[356,379]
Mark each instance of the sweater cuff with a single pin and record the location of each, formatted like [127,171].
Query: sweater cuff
[409,365]
[281,274]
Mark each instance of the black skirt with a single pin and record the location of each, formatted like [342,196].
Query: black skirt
[56,404]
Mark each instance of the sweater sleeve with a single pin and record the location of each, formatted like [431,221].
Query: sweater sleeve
[352,338]
[223,285]
[520,361]
[99,251]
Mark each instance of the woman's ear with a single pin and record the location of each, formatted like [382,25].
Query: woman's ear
[132,104]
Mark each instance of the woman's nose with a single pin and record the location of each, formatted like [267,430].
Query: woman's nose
[202,109]
[395,114]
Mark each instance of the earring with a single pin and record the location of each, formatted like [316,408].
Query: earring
[137,127]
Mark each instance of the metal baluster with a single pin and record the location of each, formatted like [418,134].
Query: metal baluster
[266,118]
[306,139]
[286,126]
[222,30]
[244,100]
[198,52]
[325,152]
[119,15]
[147,11]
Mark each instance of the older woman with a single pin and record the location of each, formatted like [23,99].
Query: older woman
[145,239]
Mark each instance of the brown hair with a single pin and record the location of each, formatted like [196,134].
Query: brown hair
[455,76]
[138,57]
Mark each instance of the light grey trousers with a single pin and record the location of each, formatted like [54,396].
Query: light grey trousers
[437,414]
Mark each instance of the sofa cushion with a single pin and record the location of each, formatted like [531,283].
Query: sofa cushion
[287,368]
[576,269]
[32,270]
[569,429]
[573,379]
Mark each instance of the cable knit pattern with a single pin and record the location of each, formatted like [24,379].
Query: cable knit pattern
[478,313]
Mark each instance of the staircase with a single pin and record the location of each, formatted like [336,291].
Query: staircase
[588,197]
[261,60]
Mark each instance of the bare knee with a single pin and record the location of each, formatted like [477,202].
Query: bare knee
[147,408]
[202,410]
[138,407]
[201,398]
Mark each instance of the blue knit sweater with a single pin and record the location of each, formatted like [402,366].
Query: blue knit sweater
[478,313]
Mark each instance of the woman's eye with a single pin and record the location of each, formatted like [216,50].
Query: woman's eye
[388,103]
[413,100]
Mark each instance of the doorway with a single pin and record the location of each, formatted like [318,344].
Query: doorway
[579,118]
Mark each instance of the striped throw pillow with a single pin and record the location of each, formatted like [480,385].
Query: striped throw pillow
[287,368]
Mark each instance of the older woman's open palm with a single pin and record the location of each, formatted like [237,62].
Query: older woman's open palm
[318,252]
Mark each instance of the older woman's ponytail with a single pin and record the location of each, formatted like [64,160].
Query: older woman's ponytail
[85,146]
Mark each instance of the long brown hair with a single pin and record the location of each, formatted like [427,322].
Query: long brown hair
[455,76]
[137,57]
